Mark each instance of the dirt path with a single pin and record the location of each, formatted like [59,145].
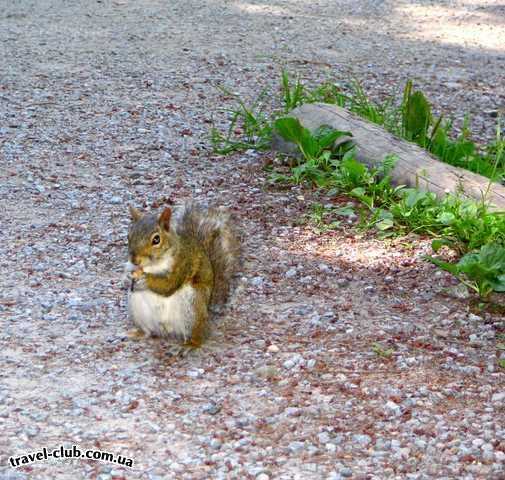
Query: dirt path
[105,103]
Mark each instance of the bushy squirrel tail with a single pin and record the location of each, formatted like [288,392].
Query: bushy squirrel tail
[213,229]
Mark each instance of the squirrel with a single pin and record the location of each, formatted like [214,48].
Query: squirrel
[180,263]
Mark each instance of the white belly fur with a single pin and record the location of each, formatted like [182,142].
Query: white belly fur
[161,316]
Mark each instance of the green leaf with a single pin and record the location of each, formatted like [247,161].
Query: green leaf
[349,155]
[485,269]
[468,209]
[417,117]
[353,169]
[359,193]
[499,284]
[327,135]
[475,270]
[346,211]
[386,221]
[389,163]
[309,145]
[413,197]
[379,350]
[448,267]
[501,363]
[493,255]
[278,178]
[500,346]
[290,129]
[385,224]
[438,243]
[446,218]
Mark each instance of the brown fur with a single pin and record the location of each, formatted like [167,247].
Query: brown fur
[213,229]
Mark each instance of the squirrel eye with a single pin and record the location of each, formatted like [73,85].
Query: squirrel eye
[156,240]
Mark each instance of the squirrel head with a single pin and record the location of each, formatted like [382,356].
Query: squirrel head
[152,243]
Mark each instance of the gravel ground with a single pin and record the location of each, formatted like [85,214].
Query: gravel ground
[103,103]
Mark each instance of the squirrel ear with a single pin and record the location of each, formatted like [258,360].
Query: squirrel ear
[134,213]
[164,219]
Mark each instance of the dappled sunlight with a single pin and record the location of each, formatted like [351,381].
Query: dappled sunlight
[470,27]
[265,9]
[302,10]
[477,25]
[357,251]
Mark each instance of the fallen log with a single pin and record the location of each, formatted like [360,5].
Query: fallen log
[415,167]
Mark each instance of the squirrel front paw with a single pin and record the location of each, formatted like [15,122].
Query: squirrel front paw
[133,277]
[139,284]
[137,274]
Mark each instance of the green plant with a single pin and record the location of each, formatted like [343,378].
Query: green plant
[312,145]
[380,351]
[327,92]
[371,186]
[416,115]
[291,97]
[496,151]
[250,127]
[317,149]
[482,271]
[379,113]
[319,218]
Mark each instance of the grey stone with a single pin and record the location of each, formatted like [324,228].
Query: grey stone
[215,444]
[13,475]
[295,360]
[498,397]
[421,444]
[346,472]
[212,408]
[291,273]
[488,455]
[32,431]
[363,440]
[262,476]
[311,363]
[257,281]
[334,476]
[296,447]
[393,409]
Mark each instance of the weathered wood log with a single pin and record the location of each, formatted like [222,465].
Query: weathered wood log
[415,167]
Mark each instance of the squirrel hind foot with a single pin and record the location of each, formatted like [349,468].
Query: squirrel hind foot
[182,350]
[135,334]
